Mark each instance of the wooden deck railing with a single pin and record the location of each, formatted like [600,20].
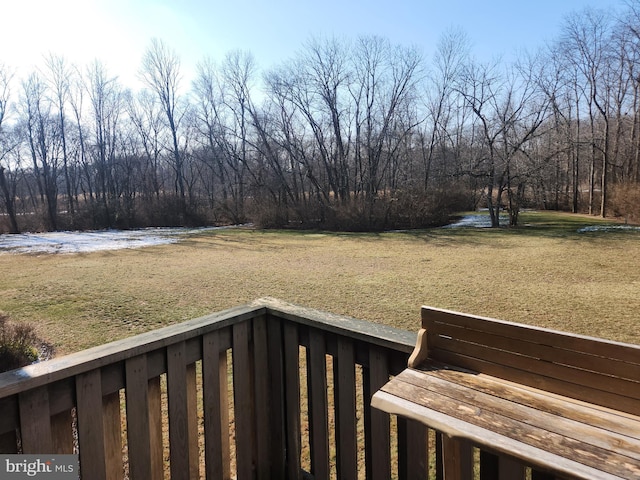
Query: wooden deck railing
[266,391]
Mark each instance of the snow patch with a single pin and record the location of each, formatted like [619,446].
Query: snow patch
[476,221]
[93,241]
[608,228]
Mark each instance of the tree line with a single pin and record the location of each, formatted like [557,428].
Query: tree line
[348,134]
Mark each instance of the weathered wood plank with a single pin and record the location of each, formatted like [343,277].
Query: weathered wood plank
[444,335]
[413,451]
[138,426]
[547,402]
[178,412]
[318,409]
[62,432]
[35,423]
[529,412]
[579,343]
[292,399]
[192,421]
[113,436]
[243,401]
[216,411]
[60,368]
[521,368]
[484,437]
[378,373]
[156,448]
[345,401]
[456,459]
[91,426]
[262,404]
[515,434]
[585,392]
[361,330]
[276,395]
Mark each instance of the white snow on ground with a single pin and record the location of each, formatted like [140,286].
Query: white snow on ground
[608,228]
[476,221]
[92,241]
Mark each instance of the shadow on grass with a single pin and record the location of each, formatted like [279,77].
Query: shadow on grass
[534,224]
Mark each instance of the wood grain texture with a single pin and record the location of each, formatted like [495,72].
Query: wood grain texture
[243,401]
[277,400]
[380,426]
[345,403]
[138,425]
[318,409]
[35,423]
[522,423]
[292,399]
[113,436]
[178,412]
[216,409]
[62,432]
[90,426]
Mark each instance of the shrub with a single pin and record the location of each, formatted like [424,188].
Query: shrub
[626,201]
[18,344]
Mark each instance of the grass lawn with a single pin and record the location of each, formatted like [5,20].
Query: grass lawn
[543,273]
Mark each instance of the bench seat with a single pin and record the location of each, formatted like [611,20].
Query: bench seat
[505,412]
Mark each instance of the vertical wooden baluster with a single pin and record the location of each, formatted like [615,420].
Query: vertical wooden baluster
[345,402]
[35,421]
[262,400]
[292,397]
[216,409]
[276,394]
[91,426]
[138,427]
[113,436]
[378,375]
[318,405]
[243,401]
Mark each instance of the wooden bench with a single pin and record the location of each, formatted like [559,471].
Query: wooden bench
[558,402]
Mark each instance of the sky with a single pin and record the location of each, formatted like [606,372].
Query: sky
[117,32]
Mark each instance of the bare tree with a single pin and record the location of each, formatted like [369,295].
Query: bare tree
[161,73]
[440,98]
[58,76]
[7,144]
[586,39]
[44,143]
[106,97]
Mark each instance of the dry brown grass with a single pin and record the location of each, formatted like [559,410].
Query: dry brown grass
[546,274]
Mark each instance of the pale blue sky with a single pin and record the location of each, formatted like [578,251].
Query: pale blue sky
[118,31]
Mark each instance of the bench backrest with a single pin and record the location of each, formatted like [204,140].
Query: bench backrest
[596,371]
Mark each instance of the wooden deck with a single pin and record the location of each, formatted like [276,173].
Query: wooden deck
[267,390]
